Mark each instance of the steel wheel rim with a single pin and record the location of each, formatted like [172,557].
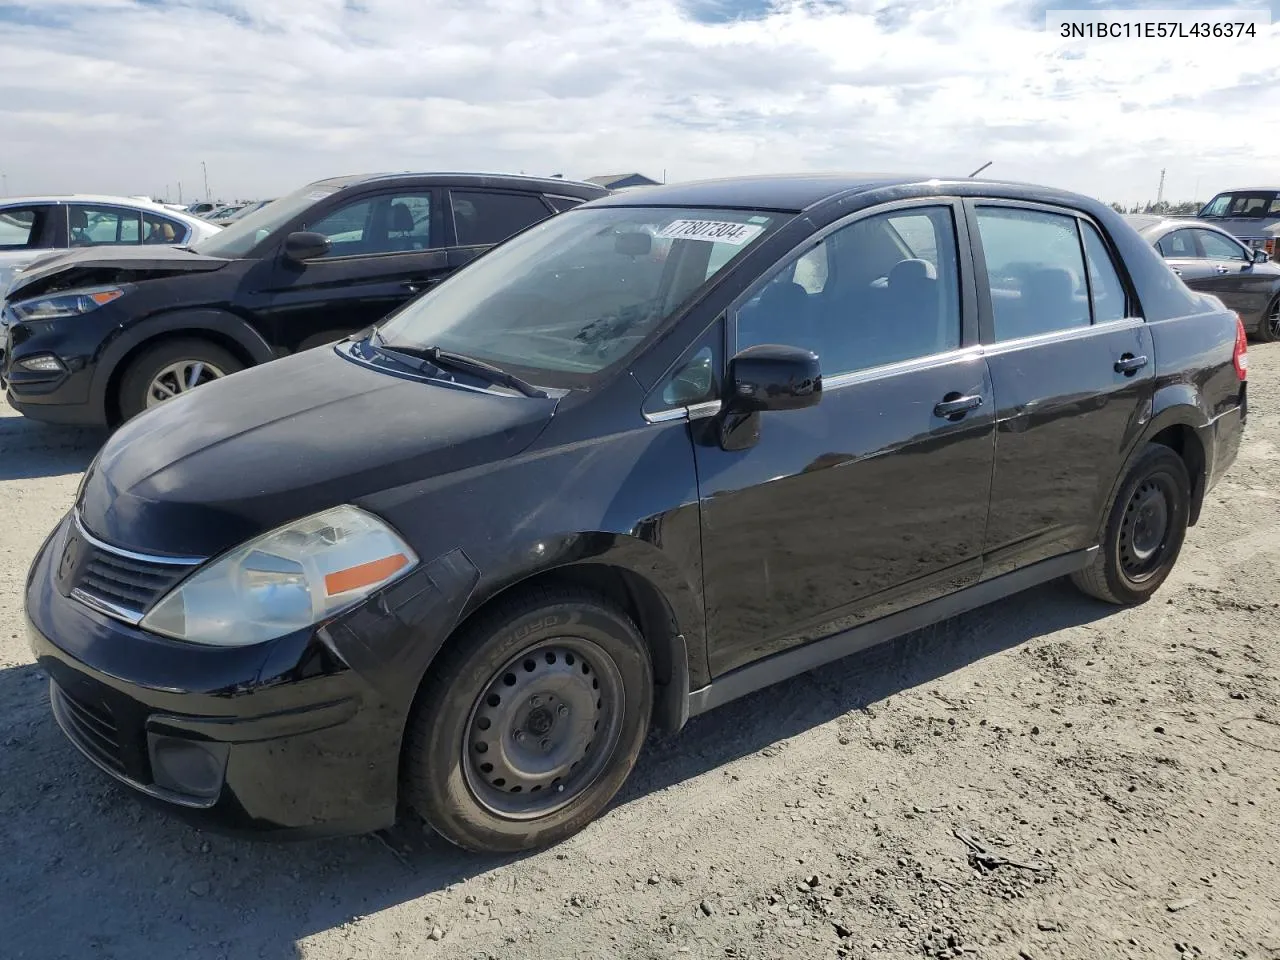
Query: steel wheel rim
[1273,321]
[1145,528]
[543,729]
[179,377]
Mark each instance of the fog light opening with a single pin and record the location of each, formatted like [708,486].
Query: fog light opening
[41,363]
[191,767]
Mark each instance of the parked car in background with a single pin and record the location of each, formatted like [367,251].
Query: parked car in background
[1210,259]
[241,212]
[202,208]
[223,214]
[458,564]
[34,227]
[1247,215]
[329,259]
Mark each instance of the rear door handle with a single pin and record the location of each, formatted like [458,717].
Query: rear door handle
[414,286]
[954,406]
[1129,364]
[1222,269]
[1177,271]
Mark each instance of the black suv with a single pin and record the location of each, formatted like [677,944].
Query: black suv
[648,456]
[97,336]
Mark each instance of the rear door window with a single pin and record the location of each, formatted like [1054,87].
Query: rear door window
[162,230]
[483,218]
[90,226]
[1105,289]
[1179,245]
[1035,271]
[22,227]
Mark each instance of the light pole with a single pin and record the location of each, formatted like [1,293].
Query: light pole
[206,181]
[4,184]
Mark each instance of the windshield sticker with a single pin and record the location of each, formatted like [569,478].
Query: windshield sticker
[712,231]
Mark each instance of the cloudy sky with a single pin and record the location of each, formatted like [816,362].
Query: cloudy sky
[129,96]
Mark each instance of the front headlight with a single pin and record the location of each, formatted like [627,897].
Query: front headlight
[71,303]
[285,580]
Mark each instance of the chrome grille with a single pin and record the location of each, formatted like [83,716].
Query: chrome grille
[114,581]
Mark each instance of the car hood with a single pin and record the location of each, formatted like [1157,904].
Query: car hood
[206,471]
[96,265]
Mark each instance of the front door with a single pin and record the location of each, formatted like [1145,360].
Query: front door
[875,498]
[1072,367]
[1233,277]
[1183,255]
[385,248]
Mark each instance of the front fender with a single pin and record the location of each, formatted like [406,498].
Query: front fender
[194,322]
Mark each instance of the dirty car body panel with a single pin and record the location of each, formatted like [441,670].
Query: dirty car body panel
[747,546]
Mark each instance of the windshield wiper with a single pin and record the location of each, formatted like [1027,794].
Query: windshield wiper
[447,359]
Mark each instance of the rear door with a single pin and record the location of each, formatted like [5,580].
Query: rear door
[1180,250]
[1072,369]
[386,247]
[875,498]
[482,218]
[1233,277]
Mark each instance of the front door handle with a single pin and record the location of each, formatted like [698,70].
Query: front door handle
[1129,364]
[1176,271]
[954,406]
[1222,269]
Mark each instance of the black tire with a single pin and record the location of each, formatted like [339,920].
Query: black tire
[1146,527]
[131,398]
[1269,326]
[548,646]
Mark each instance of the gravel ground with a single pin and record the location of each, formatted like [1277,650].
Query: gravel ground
[1047,777]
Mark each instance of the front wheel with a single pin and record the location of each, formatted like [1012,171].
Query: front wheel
[170,369]
[529,722]
[1145,530]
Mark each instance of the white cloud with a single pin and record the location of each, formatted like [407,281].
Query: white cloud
[129,96]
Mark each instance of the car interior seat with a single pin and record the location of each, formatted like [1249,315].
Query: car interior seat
[400,228]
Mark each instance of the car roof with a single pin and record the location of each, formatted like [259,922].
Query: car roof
[187,219]
[793,193]
[1149,223]
[469,178]
[1249,190]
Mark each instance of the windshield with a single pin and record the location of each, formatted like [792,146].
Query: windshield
[1255,203]
[241,235]
[578,293]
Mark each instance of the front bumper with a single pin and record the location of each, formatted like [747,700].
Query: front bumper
[56,396]
[299,736]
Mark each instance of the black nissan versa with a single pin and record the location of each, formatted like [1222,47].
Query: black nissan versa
[645,457]
[95,336]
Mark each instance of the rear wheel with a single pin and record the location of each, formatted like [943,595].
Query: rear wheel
[1269,328]
[1145,530]
[170,369]
[529,722]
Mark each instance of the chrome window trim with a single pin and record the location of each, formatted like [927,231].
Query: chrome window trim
[901,366]
[130,554]
[694,411]
[1055,336]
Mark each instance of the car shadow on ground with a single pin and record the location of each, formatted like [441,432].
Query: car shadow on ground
[30,450]
[89,871]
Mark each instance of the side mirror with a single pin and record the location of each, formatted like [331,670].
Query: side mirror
[304,245]
[1260,256]
[773,377]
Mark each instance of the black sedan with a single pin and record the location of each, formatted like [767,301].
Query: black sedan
[647,457]
[1208,258]
[96,336]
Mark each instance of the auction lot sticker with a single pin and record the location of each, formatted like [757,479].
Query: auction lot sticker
[713,231]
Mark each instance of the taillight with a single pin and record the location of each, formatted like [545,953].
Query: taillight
[1270,247]
[1240,357]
